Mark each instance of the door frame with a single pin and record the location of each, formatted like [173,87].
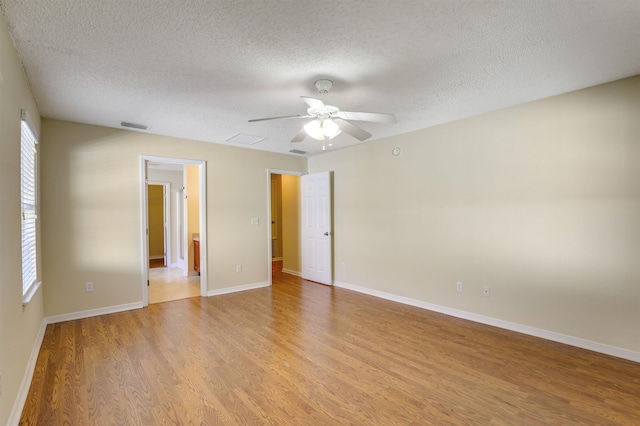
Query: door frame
[269,236]
[144,241]
[166,207]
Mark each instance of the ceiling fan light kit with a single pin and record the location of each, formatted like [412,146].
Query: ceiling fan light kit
[321,129]
[328,121]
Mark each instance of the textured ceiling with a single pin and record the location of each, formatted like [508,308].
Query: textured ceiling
[201,69]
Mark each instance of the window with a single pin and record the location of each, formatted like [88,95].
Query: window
[28,203]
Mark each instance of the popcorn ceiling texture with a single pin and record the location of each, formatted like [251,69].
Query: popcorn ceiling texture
[201,69]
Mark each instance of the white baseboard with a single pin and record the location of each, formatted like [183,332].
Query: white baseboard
[21,398]
[290,272]
[235,289]
[532,331]
[23,392]
[93,312]
[155,257]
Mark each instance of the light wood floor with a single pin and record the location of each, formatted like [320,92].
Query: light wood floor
[166,284]
[300,353]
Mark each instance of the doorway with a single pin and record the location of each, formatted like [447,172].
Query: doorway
[184,198]
[159,220]
[284,211]
[305,216]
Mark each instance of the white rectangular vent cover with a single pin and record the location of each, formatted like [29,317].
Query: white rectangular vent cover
[245,139]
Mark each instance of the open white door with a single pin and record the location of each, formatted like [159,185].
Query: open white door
[316,228]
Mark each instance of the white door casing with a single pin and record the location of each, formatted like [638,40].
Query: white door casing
[202,166]
[270,173]
[166,192]
[317,256]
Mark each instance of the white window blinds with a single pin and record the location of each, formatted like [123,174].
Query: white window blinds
[29,196]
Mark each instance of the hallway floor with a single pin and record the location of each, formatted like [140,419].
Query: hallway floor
[166,284]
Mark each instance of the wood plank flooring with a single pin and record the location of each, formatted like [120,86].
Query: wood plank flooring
[300,353]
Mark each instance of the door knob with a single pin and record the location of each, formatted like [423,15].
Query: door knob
[326,234]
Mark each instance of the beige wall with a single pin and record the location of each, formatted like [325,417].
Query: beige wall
[96,235]
[541,202]
[18,327]
[291,223]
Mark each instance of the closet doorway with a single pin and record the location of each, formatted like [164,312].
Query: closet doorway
[284,211]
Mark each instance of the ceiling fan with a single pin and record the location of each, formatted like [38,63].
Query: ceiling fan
[329,121]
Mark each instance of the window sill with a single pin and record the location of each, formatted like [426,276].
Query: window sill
[30,293]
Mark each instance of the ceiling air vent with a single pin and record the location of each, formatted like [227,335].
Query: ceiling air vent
[297,151]
[134,125]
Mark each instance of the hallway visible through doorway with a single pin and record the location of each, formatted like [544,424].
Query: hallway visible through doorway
[166,284]
[181,275]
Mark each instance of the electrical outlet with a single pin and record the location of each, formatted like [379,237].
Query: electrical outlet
[239,267]
[88,287]
[486,291]
[459,286]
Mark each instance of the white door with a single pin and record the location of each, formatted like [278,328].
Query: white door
[316,228]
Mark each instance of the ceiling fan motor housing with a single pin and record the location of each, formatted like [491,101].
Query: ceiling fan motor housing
[323,85]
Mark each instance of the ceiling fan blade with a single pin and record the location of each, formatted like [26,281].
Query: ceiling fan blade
[314,103]
[354,131]
[378,117]
[281,117]
[299,137]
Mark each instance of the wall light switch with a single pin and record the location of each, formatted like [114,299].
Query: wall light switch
[255,220]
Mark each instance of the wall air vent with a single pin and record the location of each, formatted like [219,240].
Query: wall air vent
[134,125]
[297,151]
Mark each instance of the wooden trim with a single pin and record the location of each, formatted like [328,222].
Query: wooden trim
[302,353]
[93,312]
[23,392]
[26,298]
[238,288]
[482,319]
